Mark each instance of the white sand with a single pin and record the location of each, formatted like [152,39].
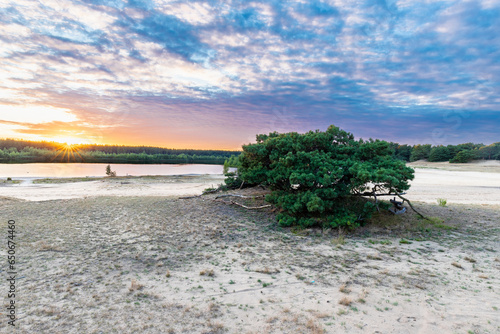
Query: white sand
[467,186]
[167,186]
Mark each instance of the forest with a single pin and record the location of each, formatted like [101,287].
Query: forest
[21,151]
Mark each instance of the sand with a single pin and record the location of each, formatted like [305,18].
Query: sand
[127,256]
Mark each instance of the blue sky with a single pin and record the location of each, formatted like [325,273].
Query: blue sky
[213,74]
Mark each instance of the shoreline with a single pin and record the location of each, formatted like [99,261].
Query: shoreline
[475,184]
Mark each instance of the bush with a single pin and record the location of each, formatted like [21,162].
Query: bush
[317,178]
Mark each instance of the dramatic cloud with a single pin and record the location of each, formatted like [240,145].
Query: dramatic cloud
[215,73]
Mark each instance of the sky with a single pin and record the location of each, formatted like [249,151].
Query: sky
[213,74]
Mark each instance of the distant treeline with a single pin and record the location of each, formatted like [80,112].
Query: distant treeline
[21,151]
[453,153]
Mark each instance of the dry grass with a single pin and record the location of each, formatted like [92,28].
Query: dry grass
[207,272]
[456,264]
[267,270]
[313,327]
[469,259]
[346,301]
[344,289]
[43,246]
[134,285]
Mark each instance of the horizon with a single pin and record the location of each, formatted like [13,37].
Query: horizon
[213,75]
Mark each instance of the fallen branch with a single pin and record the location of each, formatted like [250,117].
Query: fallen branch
[241,196]
[244,206]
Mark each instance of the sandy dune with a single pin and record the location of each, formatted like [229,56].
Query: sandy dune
[125,255]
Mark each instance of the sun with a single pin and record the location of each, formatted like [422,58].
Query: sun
[67,150]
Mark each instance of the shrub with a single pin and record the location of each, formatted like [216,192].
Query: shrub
[317,178]
[441,201]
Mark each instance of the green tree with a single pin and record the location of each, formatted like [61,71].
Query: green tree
[440,153]
[320,178]
[420,152]
[490,152]
[109,172]
[465,156]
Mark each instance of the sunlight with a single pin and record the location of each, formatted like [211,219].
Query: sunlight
[70,140]
[68,150]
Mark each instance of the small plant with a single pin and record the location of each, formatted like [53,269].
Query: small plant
[9,179]
[344,289]
[441,202]
[134,285]
[300,277]
[346,301]
[340,240]
[232,282]
[109,172]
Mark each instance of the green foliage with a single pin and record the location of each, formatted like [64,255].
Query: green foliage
[440,153]
[465,156]
[420,152]
[441,201]
[233,161]
[314,176]
[402,152]
[490,152]
[28,151]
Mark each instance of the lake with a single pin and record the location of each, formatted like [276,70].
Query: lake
[85,169]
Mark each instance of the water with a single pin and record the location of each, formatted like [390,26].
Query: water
[96,170]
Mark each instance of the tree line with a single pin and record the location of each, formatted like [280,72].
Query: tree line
[461,153]
[22,151]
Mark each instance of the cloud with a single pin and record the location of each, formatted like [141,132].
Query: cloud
[246,66]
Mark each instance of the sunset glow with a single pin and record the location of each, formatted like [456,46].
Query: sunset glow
[190,74]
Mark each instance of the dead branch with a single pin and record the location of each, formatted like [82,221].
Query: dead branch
[243,206]
[241,196]
[392,194]
[411,206]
